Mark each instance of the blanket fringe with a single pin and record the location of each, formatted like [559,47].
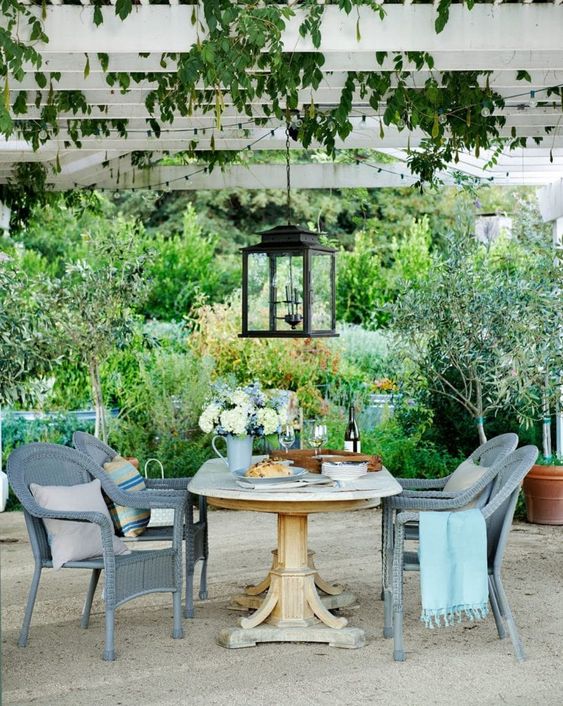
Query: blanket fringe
[444,617]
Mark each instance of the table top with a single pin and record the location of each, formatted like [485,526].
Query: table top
[214,481]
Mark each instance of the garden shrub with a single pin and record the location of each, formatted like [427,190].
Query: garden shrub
[52,429]
[301,365]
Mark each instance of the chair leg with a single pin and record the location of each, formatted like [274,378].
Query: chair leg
[94,578]
[388,614]
[205,550]
[109,651]
[24,632]
[496,609]
[177,630]
[383,557]
[386,548]
[398,560]
[203,580]
[189,607]
[398,645]
[510,623]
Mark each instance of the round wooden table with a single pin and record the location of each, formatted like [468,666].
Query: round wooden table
[292,610]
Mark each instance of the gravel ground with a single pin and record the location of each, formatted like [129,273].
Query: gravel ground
[467,664]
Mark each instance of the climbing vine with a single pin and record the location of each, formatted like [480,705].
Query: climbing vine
[239,53]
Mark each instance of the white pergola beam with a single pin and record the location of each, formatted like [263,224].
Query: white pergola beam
[72,81]
[263,176]
[512,60]
[164,28]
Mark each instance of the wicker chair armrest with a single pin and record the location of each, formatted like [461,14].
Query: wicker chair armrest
[150,499]
[177,484]
[404,517]
[429,494]
[398,502]
[422,483]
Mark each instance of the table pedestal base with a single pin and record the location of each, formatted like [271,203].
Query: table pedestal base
[292,607]
[336,597]
[345,638]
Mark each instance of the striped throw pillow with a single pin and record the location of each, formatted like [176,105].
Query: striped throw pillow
[128,521]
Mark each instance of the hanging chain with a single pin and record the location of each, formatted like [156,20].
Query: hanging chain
[288,174]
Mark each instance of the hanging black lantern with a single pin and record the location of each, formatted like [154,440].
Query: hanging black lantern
[288,282]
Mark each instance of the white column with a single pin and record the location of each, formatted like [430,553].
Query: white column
[558,247]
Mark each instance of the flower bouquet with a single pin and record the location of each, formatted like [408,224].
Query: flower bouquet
[241,413]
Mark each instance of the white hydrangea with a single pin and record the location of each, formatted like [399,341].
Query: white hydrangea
[209,418]
[241,399]
[234,421]
[269,419]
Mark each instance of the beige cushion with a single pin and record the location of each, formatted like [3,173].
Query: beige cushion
[464,476]
[69,540]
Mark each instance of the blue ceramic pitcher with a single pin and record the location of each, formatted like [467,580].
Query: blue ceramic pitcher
[239,451]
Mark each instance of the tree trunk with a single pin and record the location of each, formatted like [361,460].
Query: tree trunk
[546,426]
[479,419]
[100,429]
[481,430]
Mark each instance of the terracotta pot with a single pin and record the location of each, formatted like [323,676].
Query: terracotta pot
[543,488]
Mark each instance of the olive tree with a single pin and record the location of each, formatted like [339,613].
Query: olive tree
[97,301]
[26,325]
[476,327]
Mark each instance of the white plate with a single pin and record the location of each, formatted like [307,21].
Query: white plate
[296,472]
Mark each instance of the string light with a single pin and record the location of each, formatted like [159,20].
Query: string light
[532,103]
[442,117]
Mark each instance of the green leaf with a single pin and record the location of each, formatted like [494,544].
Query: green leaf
[435,126]
[104,61]
[87,66]
[98,17]
[123,8]
[358,33]
[6,95]
[522,75]
[40,79]
[380,57]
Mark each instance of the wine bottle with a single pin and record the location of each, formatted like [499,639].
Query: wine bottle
[352,440]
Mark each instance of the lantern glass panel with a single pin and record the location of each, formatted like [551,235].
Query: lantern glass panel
[258,292]
[321,291]
[288,291]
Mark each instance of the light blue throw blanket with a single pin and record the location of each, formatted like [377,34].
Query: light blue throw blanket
[453,567]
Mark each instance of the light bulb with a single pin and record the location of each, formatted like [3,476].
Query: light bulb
[442,118]
[486,111]
[400,123]
[532,103]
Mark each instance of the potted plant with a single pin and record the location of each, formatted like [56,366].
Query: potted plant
[539,371]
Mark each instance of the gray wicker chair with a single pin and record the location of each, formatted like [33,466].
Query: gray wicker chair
[195,533]
[498,514]
[428,494]
[126,576]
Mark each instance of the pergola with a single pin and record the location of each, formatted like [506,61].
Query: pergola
[505,38]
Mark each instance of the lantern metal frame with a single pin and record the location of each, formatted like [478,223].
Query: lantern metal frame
[289,240]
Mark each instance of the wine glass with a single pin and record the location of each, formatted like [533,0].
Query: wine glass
[317,435]
[286,436]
